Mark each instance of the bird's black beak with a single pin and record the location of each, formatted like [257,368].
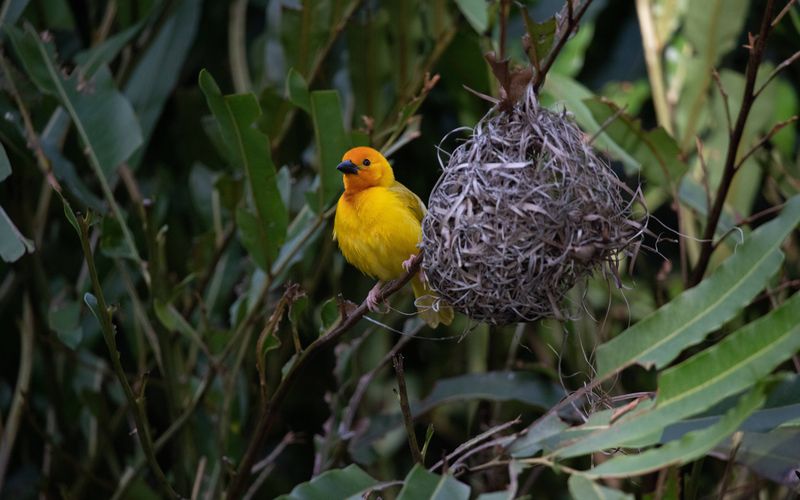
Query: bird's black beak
[347,167]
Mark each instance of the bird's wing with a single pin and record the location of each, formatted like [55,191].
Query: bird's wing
[410,199]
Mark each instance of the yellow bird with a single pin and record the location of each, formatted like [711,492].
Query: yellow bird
[378,226]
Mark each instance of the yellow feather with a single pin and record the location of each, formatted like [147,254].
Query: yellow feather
[378,226]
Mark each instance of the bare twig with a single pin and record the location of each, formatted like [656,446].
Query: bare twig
[267,420]
[468,445]
[774,130]
[198,477]
[783,12]
[266,465]
[785,64]
[504,10]
[757,45]
[405,408]
[573,19]
[606,123]
[725,100]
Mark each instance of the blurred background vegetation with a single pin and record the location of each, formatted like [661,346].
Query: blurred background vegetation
[154,215]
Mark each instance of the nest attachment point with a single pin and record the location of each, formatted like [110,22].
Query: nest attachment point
[523,211]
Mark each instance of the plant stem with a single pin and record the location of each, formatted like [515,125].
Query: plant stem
[405,408]
[573,19]
[757,46]
[136,401]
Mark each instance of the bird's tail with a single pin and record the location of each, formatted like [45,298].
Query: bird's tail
[432,309]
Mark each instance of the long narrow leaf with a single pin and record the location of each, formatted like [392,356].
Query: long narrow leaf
[731,366]
[690,447]
[235,115]
[338,483]
[660,337]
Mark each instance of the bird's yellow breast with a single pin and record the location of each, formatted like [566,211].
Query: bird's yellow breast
[376,231]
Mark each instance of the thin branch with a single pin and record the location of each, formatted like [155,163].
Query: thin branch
[783,12]
[267,420]
[774,130]
[785,64]
[405,408]
[109,335]
[466,446]
[749,220]
[504,10]
[573,19]
[606,123]
[757,46]
[725,100]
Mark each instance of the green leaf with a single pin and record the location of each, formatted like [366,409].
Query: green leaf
[541,37]
[98,56]
[253,237]
[11,11]
[660,337]
[235,115]
[5,165]
[13,244]
[70,214]
[91,301]
[328,314]
[332,142]
[582,488]
[476,12]
[349,482]
[103,117]
[450,488]
[653,152]
[297,90]
[736,363]
[419,484]
[688,448]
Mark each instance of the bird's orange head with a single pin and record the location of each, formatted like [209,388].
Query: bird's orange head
[364,168]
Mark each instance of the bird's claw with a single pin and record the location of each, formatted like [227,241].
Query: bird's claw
[408,263]
[373,298]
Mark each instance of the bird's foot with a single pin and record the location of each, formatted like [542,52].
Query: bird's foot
[408,262]
[373,297]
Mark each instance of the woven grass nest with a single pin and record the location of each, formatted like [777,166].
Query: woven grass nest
[523,211]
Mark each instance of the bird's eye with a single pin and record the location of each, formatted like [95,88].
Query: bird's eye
[365,163]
